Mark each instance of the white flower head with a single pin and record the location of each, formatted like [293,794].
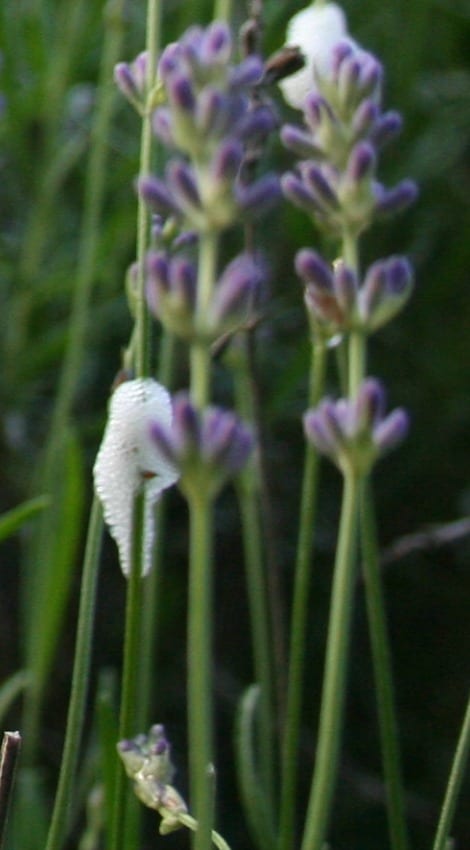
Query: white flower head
[315,30]
[129,462]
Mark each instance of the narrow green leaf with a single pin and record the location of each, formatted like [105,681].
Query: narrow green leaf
[252,793]
[11,521]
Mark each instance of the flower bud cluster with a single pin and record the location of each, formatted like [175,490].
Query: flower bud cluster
[207,447]
[345,128]
[147,762]
[337,301]
[171,284]
[354,433]
[209,119]
[132,79]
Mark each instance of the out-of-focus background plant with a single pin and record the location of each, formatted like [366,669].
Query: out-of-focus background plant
[68,158]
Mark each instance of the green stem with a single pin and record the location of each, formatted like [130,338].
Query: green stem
[130,677]
[441,841]
[382,673]
[222,10]
[300,607]
[151,600]
[357,362]
[200,352]
[248,498]
[200,666]
[80,681]
[335,676]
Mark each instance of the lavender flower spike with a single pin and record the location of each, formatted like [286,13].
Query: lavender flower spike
[207,446]
[353,433]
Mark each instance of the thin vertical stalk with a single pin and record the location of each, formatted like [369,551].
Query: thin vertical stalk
[80,681]
[222,10]
[142,330]
[249,505]
[200,711]
[356,361]
[130,677]
[335,675]
[454,785]
[151,600]
[300,605]
[200,355]
[382,673]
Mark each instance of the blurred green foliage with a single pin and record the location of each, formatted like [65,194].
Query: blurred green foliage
[50,52]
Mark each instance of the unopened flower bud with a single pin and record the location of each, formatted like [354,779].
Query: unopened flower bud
[353,433]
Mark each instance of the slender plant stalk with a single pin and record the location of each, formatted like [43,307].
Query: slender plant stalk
[142,330]
[80,681]
[382,673]
[200,355]
[200,711]
[151,600]
[454,785]
[222,10]
[125,818]
[300,606]
[120,836]
[335,675]
[248,496]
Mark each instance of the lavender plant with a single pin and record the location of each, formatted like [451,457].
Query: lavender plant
[213,116]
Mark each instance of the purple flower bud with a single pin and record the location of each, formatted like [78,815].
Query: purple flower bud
[295,190]
[169,61]
[165,441]
[364,120]
[156,195]
[256,124]
[236,288]
[259,196]
[183,185]
[345,286]
[386,287]
[391,201]
[163,126]
[209,445]
[158,268]
[341,51]
[124,80]
[183,280]
[392,430]
[227,161]
[317,180]
[180,92]
[368,407]
[348,75]
[370,75]
[300,142]
[362,162]
[216,46]
[313,269]
[316,111]
[212,111]
[354,432]
[247,73]
[386,128]
[318,432]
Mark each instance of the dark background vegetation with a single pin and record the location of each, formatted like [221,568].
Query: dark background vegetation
[423,357]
